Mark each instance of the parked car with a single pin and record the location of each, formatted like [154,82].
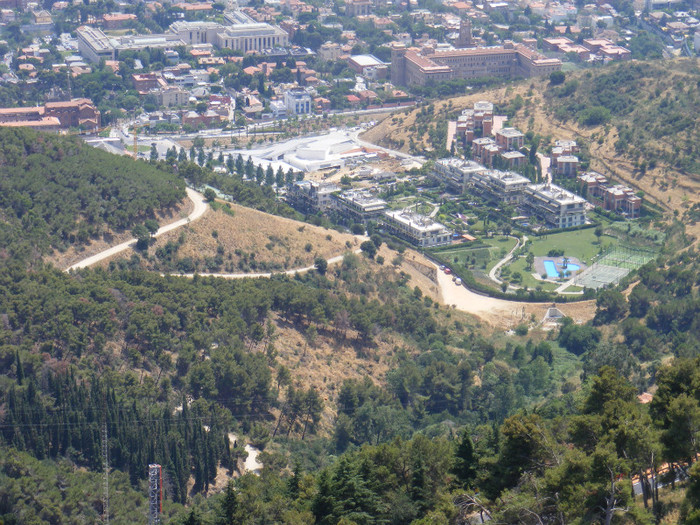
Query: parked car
[448,271]
[458,281]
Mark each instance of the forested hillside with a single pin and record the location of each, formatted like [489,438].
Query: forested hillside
[528,426]
[56,192]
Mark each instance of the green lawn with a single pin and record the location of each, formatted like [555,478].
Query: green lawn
[527,280]
[488,255]
[582,244]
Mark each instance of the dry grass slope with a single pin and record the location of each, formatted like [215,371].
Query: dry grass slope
[251,241]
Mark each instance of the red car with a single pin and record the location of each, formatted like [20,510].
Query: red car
[448,271]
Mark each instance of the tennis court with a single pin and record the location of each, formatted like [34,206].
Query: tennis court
[612,266]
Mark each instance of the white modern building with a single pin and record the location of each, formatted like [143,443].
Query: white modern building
[94,45]
[354,206]
[298,102]
[456,173]
[417,229]
[241,33]
[311,196]
[558,207]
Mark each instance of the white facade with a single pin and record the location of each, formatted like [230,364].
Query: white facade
[558,207]
[417,229]
[298,102]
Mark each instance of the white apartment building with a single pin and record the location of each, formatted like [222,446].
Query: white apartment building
[558,207]
[416,229]
[360,207]
[456,173]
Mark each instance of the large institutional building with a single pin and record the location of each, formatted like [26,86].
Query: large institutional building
[54,116]
[240,33]
[414,66]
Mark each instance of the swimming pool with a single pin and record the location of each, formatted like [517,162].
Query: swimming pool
[553,269]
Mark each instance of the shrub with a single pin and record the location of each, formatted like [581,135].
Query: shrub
[556,78]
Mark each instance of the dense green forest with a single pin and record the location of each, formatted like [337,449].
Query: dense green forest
[460,424]
[56,191]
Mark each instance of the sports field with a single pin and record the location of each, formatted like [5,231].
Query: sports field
[612,266]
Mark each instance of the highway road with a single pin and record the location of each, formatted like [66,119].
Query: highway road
[200,208]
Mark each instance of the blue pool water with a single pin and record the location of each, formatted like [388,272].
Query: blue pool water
[552,271]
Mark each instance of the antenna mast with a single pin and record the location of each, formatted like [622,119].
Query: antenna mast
[155,493]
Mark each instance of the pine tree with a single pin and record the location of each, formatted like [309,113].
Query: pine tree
[465,461]
[19,370]
[229,506]
[240,165]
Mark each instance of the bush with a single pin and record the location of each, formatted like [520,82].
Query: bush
[556,78]
[594,116]
[521,329]
[357,229]
[210,195]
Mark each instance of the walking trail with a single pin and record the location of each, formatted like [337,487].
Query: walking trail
[200,208]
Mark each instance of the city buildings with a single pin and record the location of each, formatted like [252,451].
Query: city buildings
[368,66]
[298,102]
[240,33]
[358,7]
[94,45]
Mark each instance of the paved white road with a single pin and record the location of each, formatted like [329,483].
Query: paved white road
[200,208]
[466,300]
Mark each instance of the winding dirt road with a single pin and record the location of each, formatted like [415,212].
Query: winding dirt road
[200,208]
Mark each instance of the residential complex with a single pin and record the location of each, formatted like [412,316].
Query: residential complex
[505,187]
[358,207]
[618,198]
[310,196]
[456,173]
[417,229]
[557,207]
[476,122]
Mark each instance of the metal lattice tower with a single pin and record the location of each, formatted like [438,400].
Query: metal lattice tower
[105,465]
[155,493]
